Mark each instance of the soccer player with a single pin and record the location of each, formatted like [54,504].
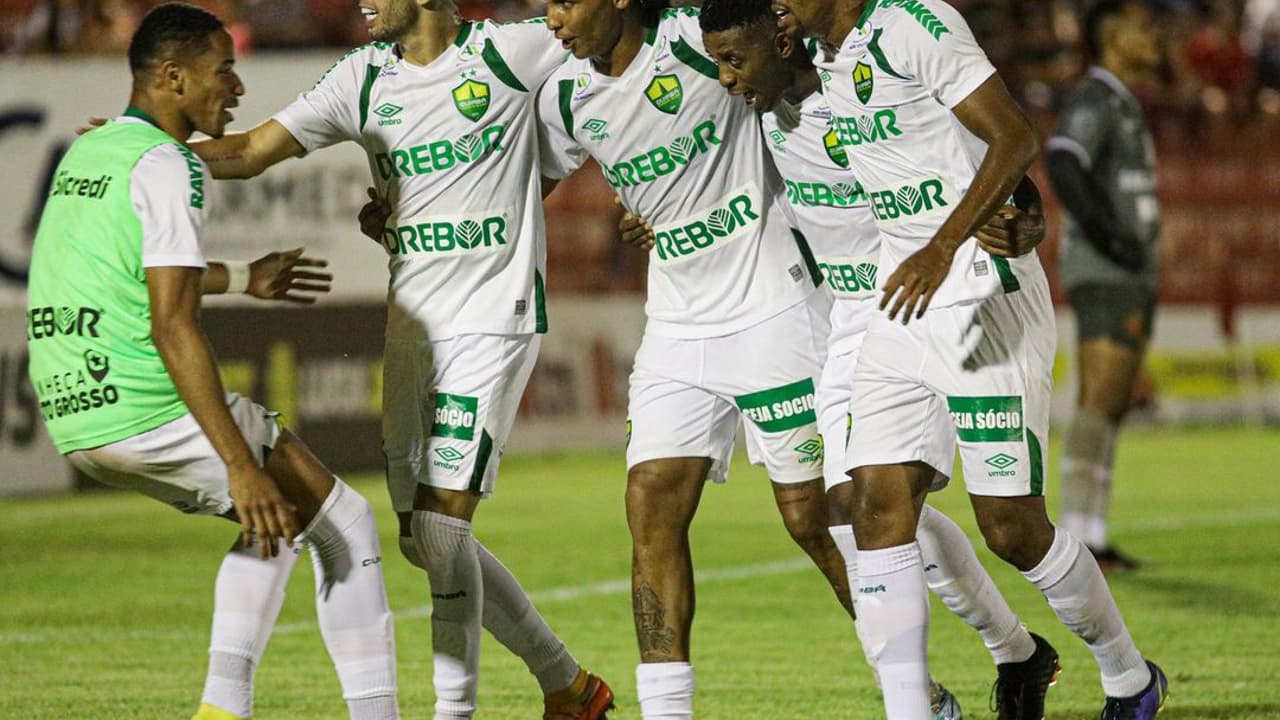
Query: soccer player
[939,146]
[444,109]
[129,386]
[1102,165]
[736,323]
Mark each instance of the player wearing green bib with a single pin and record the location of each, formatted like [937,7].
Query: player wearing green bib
[940,146]
[129,386]
[444,109]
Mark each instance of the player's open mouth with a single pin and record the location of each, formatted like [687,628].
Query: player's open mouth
[566,43]
[750,98]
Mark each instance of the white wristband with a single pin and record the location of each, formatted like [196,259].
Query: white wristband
[237,276]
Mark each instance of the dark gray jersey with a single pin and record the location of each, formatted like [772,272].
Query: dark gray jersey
[1102,125]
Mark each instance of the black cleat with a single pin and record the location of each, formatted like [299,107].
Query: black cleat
[1111,560]
[1020,687]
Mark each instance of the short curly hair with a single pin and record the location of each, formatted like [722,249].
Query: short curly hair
[171,30]
[721,15]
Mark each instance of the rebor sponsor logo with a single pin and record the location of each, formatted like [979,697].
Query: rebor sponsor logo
[447,235]
[709,230]
[663,159]
[911,200]
[817,194]
[878,127]
[849,277]
[47,321]
[440,155]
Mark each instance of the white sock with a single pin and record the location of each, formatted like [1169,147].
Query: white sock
[952,571]
[1071,581]
[447,548]
[893,607]
[1088,454]
[351,603]
[247,597]
[665,690]
[513,620]
[842,536]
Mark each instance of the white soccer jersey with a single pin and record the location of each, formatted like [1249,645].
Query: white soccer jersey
[454,144]
[827,205]
[689,159]
[891,86]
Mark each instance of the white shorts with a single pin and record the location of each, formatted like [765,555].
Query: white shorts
[175,463]
[686,396]
[978,374]
[448,408]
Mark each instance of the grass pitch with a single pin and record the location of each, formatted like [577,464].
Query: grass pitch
[106,598]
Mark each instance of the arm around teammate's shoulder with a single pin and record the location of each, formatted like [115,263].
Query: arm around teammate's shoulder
[247,154]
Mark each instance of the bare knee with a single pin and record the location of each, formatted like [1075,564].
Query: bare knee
[886,502]
[662,497]
[1015,529]
[803,507]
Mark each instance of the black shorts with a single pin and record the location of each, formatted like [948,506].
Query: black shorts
[1121,313]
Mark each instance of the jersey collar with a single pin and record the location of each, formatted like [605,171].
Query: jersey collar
[138,113]
[1108,78]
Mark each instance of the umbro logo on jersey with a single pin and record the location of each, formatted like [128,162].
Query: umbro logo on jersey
[387,112]
[471,98]
[666,93]
[863,82]
[778,137]
[596,127]
[810,451]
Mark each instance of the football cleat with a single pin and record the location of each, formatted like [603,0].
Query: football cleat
[212,712]
[1019,691]
[1111,560]
[943,704]
[1143,706]
[592,702]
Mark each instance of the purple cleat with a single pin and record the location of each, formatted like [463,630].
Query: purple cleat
[1143,706]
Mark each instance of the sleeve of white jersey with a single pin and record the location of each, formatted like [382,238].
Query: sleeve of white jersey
[328,113]
[686,25]
[530,50]
[940,53]
[559,153]
[170,206]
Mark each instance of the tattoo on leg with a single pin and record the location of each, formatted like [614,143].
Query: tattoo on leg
[657,641]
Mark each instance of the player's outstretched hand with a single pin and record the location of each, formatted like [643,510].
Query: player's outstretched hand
[374,215]
[635,231]
[1012,232]
[284,276]
[94,122]
[911,287]
[263,512]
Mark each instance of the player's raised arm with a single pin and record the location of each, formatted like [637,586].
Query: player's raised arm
[247,154]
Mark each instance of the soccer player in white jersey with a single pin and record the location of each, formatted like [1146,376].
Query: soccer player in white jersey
[129,386]
[445,111]
[736,323]
[939,146]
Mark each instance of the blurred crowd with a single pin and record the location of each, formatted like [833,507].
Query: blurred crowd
[1222,57]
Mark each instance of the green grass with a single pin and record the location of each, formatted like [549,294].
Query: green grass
[105,599]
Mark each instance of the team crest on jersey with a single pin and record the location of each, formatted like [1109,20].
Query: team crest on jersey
[666,93]
[472,99]
[863,82]
[835,151]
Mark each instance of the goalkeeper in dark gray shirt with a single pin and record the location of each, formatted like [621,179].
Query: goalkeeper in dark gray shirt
[1102,166]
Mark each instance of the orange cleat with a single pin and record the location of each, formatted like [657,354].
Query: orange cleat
[588,698]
